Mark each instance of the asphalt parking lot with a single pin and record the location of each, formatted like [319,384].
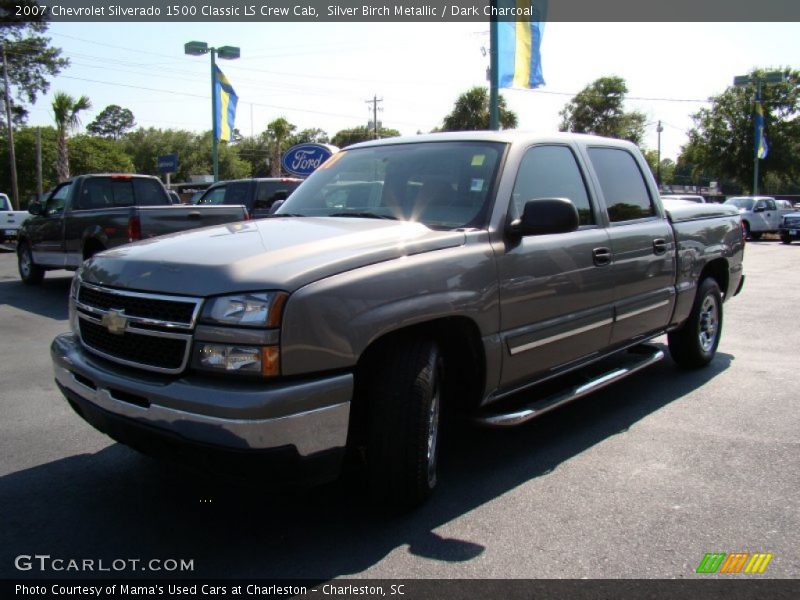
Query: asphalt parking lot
[637,481]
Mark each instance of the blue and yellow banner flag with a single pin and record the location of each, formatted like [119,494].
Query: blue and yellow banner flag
[519,48]
[761,138]
[225,109]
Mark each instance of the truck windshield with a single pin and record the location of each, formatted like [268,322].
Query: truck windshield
[745,203]
[444,185]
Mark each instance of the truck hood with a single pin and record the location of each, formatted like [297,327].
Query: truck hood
[269,254]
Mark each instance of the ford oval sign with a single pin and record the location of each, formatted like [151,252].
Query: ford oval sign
[303,159]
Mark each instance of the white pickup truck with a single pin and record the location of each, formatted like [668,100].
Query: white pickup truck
[10,220]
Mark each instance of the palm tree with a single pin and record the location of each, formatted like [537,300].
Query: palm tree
[278,131]
[471,112]
[65,111]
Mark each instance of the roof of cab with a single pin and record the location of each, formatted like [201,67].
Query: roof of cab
[508,136]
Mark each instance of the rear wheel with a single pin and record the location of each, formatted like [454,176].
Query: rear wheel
[404,397]
[785,239]
[29,271]
[695,344]
[755,235]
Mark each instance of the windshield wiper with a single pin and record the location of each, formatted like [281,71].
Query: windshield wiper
[363,215]
[273,215]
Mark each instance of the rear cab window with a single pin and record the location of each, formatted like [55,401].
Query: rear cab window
[269,192]
[149,192]
[623,185]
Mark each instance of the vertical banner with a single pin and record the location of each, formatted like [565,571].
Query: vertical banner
[225,110]
[519,48]
[761,139]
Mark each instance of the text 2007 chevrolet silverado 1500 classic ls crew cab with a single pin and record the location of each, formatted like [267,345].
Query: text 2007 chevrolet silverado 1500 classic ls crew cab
[477,265]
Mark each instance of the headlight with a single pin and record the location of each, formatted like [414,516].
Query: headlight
[75,286]
[246,360]
[245,310]
[73,298]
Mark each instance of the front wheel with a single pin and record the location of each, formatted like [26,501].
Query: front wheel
[29,271]
[785,239]
[755,235]
[695,343]
[404,399]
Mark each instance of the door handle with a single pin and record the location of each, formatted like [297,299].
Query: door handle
[601,256]
[659,246]
[195,214]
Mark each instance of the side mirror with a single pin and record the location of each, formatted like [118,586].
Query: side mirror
[275,206]
[759,208]
[546,216]
[36,208]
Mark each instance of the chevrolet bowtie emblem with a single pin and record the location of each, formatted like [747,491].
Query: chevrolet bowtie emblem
[115,321]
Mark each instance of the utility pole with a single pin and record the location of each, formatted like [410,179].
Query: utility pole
[11,155]
[494,76]
[374,103]
[659,129]
[38,164]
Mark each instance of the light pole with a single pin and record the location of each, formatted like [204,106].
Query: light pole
[757,80]
[228,53]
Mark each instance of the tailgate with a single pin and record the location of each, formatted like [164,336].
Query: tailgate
[161,220]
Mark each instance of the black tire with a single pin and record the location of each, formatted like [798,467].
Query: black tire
[785,239]
[29,271]
[695,344]
[404,397]
[755,235]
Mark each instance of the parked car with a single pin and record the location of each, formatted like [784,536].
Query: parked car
[10,220]
[760,214]
[490,262]
[790,227]
[257,195]
[91,213]
[685,198]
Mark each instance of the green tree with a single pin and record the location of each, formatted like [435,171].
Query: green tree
[112,122]
[255,151]
[348,137]
[667,166]
[32,61]
[92,154]
[65,112]
[25,147]
[278,134]
[314,135]
[598,109]
[471,112]
[721,143]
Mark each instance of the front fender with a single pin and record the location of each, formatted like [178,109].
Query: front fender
[328,324]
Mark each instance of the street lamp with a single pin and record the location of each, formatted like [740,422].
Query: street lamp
[228,53]
[757,80]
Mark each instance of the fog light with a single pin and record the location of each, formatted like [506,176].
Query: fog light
[247,360]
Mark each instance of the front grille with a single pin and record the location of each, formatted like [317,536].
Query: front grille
[139,306]
[145,350]
[792,222]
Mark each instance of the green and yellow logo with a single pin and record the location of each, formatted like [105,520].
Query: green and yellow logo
[735,562]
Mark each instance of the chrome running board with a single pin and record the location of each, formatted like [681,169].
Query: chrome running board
[637,358]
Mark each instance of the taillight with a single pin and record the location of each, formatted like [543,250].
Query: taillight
[134,228]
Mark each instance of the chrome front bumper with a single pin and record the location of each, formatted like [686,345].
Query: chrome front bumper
[311,416]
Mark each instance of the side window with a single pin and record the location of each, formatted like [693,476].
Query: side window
[771,205]
[122,192]
[622,183]
[760,205]
[149,192]
[213,196]
[270,192]
[56,202]
[552,172]
[236,193]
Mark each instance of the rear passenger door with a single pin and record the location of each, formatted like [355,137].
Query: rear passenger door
[556,301]
[642,246]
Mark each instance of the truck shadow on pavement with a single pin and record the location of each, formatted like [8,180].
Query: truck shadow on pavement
[118,504]
[48,299]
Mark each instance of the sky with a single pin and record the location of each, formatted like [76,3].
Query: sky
[325,74]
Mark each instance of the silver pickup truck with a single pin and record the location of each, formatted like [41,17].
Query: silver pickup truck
[403,275]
